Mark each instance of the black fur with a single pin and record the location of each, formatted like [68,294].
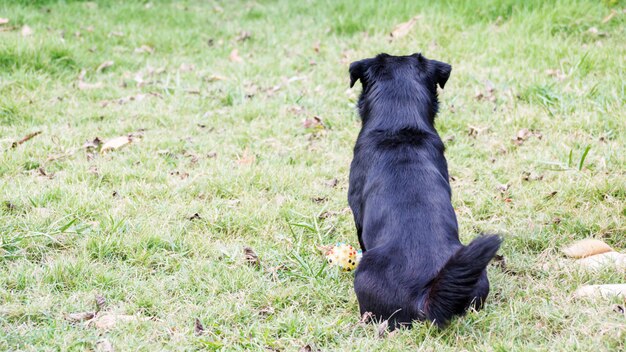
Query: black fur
[414,267]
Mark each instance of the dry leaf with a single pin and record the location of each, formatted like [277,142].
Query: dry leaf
[404,28]
[503,188]
[243,36]
[366,318]
[198,328]
[100,302]
[247,158]
[145,49]
[195,216]
[26,31]
[186,67]
[78,317]
[234,56]
[586,248]
[104,65]
[251,258]
[332,183]
[601,291]
[382,329]
[607,259]
[104,345]
[109,320]
[315,122]
[213,78]
[4,21]
[269,310]
[115,143]
[93,144]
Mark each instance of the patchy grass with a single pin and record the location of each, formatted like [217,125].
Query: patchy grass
[225,139]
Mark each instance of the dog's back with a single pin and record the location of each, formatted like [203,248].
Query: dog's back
[414,266]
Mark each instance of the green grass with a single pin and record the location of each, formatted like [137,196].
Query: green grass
[234,150]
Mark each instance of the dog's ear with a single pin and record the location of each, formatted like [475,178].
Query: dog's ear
[441,72]
[358,69]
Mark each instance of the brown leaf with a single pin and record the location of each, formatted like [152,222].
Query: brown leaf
[332,183]
[26,31]
[100,302]
[243,36]
[93,144]
[145,49]
[269,310]
[382,329]
[503,188]
[4,21]
[585,248]
[234,56]
[25,139]
[195,216]
[618,308]
[247,158]
[313,123]
[110,320]
[104,65]
[78,317]
[251,257]
[309,348]
[115,143]
[474,131]
[214,78]
[186,67]
[366,318]
[198,328]
[404,28]
[104,345]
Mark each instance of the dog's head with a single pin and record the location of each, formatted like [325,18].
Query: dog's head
[398,76]
[387,67]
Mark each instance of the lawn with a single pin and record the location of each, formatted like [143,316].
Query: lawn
[241,130]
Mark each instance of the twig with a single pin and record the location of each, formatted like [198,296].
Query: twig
[25,139]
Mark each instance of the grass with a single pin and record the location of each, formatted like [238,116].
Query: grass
[225,139]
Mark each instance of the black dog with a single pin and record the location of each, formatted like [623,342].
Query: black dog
[414,267]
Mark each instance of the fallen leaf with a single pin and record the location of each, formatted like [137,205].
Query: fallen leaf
[186,67]
[404,28]
[524,134]
[4,21]
[243,36]
[382,329]
[247,158]
[601,291]
[78,317]
[109,320]
[618,308]
[503,188]
[100,302]
[104,345]
[198,328]
[115,143]
[319,199]
[234,56]
[366,318]
[214,78]
[93,144]
[25,139]
[585,248]
[251,257]
[474,131]
[26,31]
[104,65]
[145,49]
[195,216]
[607,259]
[332,183]
[313,123]
[269,310]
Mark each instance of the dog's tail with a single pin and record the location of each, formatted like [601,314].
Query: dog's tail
[452,290]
